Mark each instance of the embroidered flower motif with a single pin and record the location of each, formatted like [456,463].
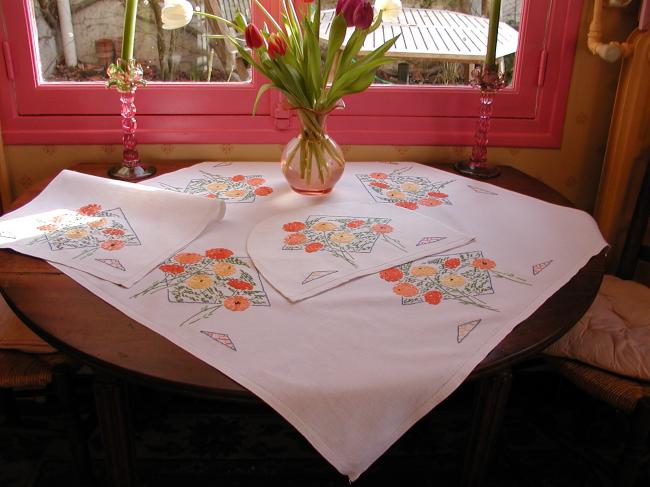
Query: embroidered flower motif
[409,205]
[237,178]
[116,232]
[293,226]
[187,258]
[295,239]
[452,280]
[410,187]
[234,193]
[437,194]
[324,226]
[218,253]
[378,175]
[199,281]
[433,297]
[112,244]
[392,274]
[342,237]
[240,285]
[236,303]
[452,263]
[354,223]
[47,228]
[216,187]
[76,233]
[102,222]
[313,247]
[90,210]
[381,228]
[484,264]
[224,269]
[422,270]
[172,268]
[211,196]
[256,181]
[395,194]
[379,184]
[430,202]
[263,191]
[405,289]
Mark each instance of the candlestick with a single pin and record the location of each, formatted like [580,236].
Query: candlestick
[128,36]
[493,30]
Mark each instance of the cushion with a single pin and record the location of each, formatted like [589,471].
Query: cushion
[614,334]
[14,334]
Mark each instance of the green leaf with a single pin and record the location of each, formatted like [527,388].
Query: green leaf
[240,21]
[336,38]
[260,92]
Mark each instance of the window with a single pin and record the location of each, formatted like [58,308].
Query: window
[416,101]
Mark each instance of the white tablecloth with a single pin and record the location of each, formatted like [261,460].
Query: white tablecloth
[355,367]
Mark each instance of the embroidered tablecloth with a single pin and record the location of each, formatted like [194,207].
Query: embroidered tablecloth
[114,230]
[353,368]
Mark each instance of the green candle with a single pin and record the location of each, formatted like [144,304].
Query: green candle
[128,36]
[495,12]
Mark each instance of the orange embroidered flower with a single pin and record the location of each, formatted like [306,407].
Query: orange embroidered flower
[430,202]
[378,175]
[238,177]
[76,233]
[452,280]
[256,181]
[293,226]
[379,184]
[98,223]
[90,210]
[409,205]
[485,264]
[422,270]
[263,191]
[405,289]
[452,263]
[216,187]
[342,237]
[236,303]
[211,196]
[218,253]
[355,223]
[435,194]
[113,231]
[235,193]
[433,297]
[188,258]
[295,239]
[324,226]
[395,194]
[241,285]
[47,228]
[410,187]
[112,245]
[199,281]
[313,247]
[391,275]
[172,268]
[224,269]
[381,228]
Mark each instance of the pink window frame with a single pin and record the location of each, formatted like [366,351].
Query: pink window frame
[530,113]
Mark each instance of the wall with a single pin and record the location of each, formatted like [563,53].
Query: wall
[573,170]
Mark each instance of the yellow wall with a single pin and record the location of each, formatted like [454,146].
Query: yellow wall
[573,170]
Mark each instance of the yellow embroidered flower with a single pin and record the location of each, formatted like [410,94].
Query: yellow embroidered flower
[452,280]
[98,223]
[410,187]
[76,233]
[216,187]
[199,281]
[224,269]
[395,194]
[235,193]
[422,270]
[342,237]
[324,226]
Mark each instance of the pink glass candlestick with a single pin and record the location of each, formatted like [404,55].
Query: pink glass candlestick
[126,78]
[489,81]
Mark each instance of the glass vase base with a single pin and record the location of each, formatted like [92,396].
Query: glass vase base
[135,173]
[477,170]
[311,192]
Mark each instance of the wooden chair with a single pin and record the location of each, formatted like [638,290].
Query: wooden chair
[627,395]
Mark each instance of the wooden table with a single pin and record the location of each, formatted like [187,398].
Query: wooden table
[119,349]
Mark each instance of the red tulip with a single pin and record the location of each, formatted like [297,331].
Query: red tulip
[253,37]
[363,15]
[348,8]
[277,46]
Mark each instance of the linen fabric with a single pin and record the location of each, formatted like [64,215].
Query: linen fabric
[114,230]
[303,252]
[614,333]
[355,367]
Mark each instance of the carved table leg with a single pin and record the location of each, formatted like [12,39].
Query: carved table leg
[114,422]
[489,408]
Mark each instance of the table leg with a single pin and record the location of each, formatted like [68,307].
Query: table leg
[113,412]
[489,408]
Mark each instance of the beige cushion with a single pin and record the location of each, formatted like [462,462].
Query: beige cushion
[614,334]
[14,334]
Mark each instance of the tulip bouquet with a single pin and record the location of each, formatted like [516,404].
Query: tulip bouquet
[288,54]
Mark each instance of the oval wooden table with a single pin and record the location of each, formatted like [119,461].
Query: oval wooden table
[121,350]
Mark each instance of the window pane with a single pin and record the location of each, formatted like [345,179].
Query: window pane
[81,53]
[441,41]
